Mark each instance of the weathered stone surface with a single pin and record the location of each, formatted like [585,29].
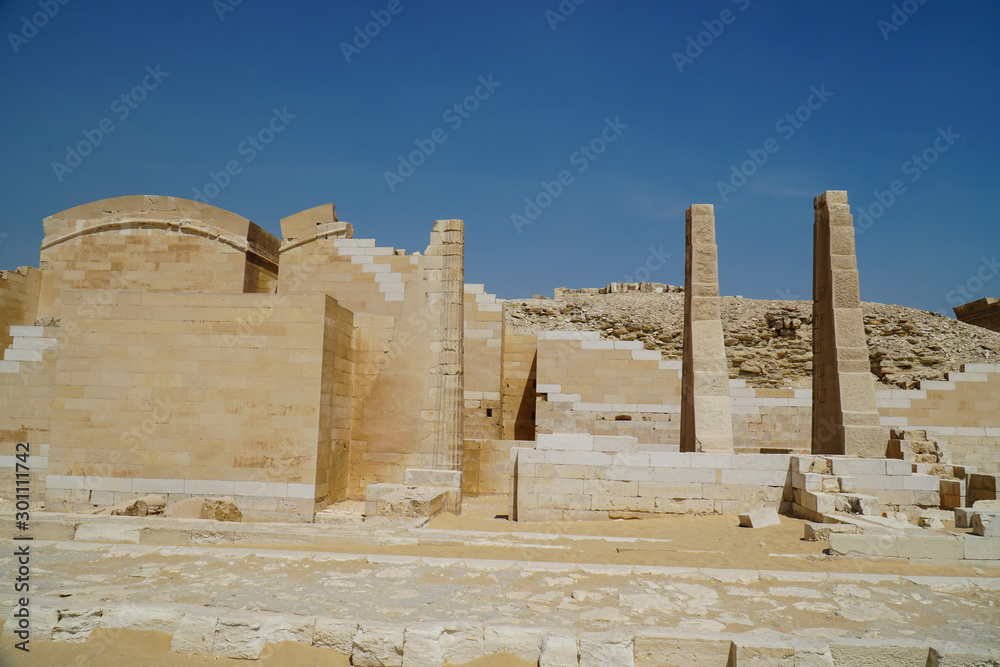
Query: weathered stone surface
[378,645]
[820,532]
[221,509]
[238,635]
[189,508]
[195,635]
[525,643]
[602,649]
[559,651]
[135,508]
[985,524]
[75,625]
[422,647]
[336,635]
[765,516]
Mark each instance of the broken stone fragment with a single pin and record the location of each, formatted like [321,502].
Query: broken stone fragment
[765,516]
[221,509]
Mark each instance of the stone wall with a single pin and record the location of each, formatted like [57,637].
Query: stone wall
[159,392]
[153,243]
[19,292]
[604,387]
[483,317]
[519,370]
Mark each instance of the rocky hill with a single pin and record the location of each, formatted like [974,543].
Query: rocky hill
[769,343]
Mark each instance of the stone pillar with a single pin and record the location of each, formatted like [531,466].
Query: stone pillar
[447,377]
[706,418]
[844,415]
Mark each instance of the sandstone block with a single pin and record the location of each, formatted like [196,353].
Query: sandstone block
[765,516]
[422,647]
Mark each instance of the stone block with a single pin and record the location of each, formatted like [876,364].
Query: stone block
[335,634]
[525,643]
[558,650]
[76,624]
[195,634]
[938,547]
[986,524]
[758,518]
[820,532]
[661,648]
[606,648]
[863,545]
[104,532]
[422,646]
[982,548]
[378,645]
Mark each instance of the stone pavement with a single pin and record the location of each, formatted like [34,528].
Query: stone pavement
[231,600]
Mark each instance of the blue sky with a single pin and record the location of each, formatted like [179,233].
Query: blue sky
[660,130]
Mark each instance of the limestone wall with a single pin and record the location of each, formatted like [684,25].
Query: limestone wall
[488,466]
[159,392]
[604,387]
[407,363]
[483,321]
[153,243]
[599,477]
[519,377]
[963,410]
[26,384]
[19,292]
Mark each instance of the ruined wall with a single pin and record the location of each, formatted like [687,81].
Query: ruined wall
[162,392]
[964,411]
[19,292]
[604,387]
[483,339]
[407,363]
[488,466]
[153,243]
[519,377]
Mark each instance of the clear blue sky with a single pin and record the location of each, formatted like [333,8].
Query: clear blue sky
[886,93]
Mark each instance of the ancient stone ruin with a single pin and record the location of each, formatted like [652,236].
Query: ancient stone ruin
[189,385]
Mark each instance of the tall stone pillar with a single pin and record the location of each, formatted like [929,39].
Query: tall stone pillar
[447,376]
[706,418]
[844,415]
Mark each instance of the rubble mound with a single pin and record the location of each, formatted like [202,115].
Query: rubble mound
[769,342]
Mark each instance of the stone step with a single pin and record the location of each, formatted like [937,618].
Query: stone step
[34,343]
[22,355]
